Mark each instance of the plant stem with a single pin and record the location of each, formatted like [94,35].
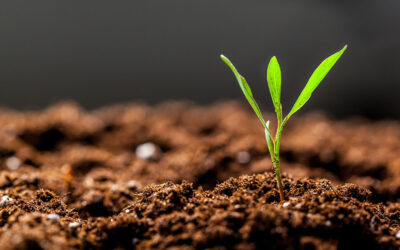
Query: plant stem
[278,179]
[273,148]
[276,161]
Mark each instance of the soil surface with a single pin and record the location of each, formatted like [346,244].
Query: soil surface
[180,176]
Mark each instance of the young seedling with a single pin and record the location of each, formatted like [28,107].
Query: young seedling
[274,85]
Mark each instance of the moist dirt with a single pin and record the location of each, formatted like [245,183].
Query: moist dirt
[181,176]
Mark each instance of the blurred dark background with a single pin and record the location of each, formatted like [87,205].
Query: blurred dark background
[104,52]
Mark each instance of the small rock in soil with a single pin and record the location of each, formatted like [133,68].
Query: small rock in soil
[4,200]
[13,163]
[73,224]
[243,157]
[53,218]
[147,151]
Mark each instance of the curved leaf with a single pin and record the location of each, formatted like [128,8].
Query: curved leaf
[245,89]
[315,79]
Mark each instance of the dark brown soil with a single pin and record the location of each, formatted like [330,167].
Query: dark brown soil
[72,179]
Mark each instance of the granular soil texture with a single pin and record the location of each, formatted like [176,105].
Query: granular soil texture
[134,176]
[241,213]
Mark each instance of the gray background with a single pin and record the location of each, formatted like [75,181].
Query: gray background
[103,52]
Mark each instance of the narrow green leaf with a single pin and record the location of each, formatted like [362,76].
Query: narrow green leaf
[315,79]
[274,85]
[245,89]
[269,142]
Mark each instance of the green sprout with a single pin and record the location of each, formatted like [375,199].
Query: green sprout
[274,84]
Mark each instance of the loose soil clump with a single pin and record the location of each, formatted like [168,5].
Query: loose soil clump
[180,176]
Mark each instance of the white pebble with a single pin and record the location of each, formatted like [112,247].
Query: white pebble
[243,157]
[328,223]
[4,200]
[73,225]
[398,235]
[286,204]
[146,151]
[13,163]
[53,218]
[127,211]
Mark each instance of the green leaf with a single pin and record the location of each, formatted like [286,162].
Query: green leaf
[274,85]
[315,79]
[245,89]
[269,142]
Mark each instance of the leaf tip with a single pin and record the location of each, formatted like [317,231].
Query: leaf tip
[343,49]
[273,59]
[225,60]
[340,52]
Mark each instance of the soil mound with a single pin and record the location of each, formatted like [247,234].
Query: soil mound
[134,176]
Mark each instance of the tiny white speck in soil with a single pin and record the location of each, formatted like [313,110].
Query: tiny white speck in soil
[114,187]
[13,163]
[73,225]
[146,151]
[286,204]
[53,218]
[4,200]
[243,157]
[133,184]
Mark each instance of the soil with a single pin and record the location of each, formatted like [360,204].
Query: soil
[180,176]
